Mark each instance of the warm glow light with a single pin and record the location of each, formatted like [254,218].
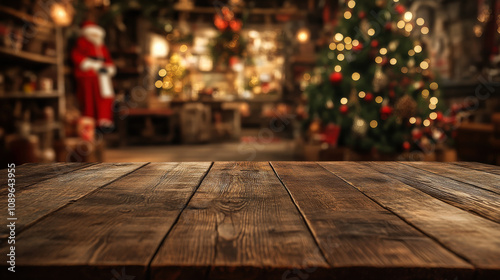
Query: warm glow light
[371,32]
[303,35]
[183,48]
[373,124]
[162,73]
[355,43]
[411,52]
[434,86]
[340,47]
[413,120]
[409,27]
[434,100]
[340,57]
[60,14]
[420,21]
[401,24]
[424,65]
[393,61]
[338,68]
[378,59]
[418,49]
[338,37]
[347,15]
[427,122]
[343,101]
[347,40]
[348,47]
[383,51]
[351,4]
[425,93]
[356,76]
[408,16]
[404,70]
[158,84]
[361,94]
[425,30]
[432,106]
[333,46]
[159,46]
[379,99]
[433,115]
[307,77]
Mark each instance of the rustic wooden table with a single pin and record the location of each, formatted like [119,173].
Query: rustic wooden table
[278,220]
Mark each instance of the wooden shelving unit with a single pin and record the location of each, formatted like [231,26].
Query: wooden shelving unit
[22,59]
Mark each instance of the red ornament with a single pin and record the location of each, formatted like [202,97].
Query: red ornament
[392,93]
[369,97]
[417,134]
[362,14]
[235,25]
[388,26]
[400,9]
[336,78]
[385,112]
[220,23]
[344,109]
[331,134]
[406,146]
[439,116]
[374,44]
[358,48]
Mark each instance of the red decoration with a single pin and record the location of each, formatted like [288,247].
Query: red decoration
[374,44]
[358,48]
[388,26]
[417,134]
[336,78]
[235,25]
[344,109]
[400,9]
[220,23]
[406,146]
[439,116]
[369,97]
[385,112]
[331,134]
[362,14]
[392,93]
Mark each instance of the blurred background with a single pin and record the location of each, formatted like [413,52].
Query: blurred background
[203,80]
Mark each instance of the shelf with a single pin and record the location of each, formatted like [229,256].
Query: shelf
[26,17]
[33,95]
[28,56]
[40,127]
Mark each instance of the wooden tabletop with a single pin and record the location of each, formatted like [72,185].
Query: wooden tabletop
[254,220]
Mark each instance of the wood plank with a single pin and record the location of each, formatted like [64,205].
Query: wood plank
[480,166]
[117,227]
[483,180]
[240,224]
[475,239]
[464,196]
[45,197]
[355,232]
[31,173]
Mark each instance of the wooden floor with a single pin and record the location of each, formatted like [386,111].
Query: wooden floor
[254,220]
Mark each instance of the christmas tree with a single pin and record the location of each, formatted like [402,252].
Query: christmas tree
[373,81]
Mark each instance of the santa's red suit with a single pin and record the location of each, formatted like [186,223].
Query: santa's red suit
[93,71]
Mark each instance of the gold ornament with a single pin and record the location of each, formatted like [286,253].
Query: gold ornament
[406,107]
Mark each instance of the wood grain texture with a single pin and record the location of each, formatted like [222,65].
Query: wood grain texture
[355,232]
[47,196]
[117,227]
[480,179]
[240,224]
[31,173]
[475,239]
[475,200]
[494,169]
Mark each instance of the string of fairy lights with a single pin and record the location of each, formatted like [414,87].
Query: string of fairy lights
[408,25]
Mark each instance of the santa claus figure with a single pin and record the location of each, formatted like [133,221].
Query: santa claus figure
[93,71]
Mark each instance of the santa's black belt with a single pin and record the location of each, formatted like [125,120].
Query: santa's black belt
[97,58]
